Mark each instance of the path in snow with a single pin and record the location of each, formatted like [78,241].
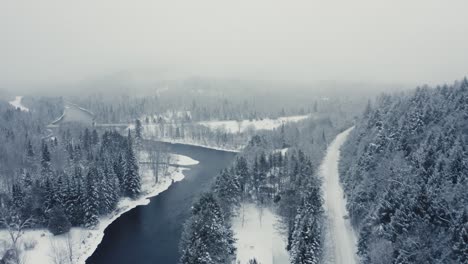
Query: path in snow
[341,236]
[258,236]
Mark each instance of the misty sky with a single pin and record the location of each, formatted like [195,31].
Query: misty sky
[412,41]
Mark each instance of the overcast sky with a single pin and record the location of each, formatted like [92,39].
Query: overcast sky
[413,41]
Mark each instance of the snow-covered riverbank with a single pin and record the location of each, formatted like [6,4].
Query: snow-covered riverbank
[80,243]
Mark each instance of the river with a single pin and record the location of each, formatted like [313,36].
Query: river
[151,233]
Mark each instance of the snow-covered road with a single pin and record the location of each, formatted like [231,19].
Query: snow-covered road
[342,238]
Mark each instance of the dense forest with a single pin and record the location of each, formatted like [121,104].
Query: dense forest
[61,178]
[21,132]
[276,169]
[87,181]
[404,169]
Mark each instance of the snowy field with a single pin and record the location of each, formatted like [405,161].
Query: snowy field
[17,103]
[80,243]
[233,126]
[153,130]
[258,236]
[282,151]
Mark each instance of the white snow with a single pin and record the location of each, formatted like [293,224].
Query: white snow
[341,238]
[85,241]
[258,235]
[282,151]
[183,160]
[233,126]
[190,142]
[17,104]
[174,159]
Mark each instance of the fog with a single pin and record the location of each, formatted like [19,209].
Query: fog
[47,43]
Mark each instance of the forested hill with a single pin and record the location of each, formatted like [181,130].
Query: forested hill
[405,173]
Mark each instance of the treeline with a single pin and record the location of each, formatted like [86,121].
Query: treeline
[272,171]
[98,171]
[405,173]
[218,100]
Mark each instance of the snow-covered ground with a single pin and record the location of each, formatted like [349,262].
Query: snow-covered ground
[188,141]
[83,242]
[258,235]
[17,103]
[233,126]
[183,160]
[341,237]
[282,151]
[174,159]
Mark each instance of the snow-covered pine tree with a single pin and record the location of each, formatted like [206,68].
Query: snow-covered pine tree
[91,208]
[109,190]
[132,181]
[206,238]
[306,239]
[119,170]
[228,191]
[242,170]
[46,169]
[138,133]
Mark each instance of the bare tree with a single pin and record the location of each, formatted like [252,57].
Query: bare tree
[58,253]
[15,225]
[62,250]
[69,244]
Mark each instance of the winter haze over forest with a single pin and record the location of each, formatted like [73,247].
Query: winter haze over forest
[233,132]
[399,42]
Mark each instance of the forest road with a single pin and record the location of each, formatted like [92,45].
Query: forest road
[341,234]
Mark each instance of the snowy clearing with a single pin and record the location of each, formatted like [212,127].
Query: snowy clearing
[233,126]
[83,242]
[282,151]
[17,104]
[341,238]
[258,235]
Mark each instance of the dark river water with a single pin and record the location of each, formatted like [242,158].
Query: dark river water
[150,233]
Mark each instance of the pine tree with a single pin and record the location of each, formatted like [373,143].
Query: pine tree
[58,221]
[94,137]
[242,171]
[18,196]
[91,209]
[132,184]
[206,238]
[46,169]
[138,134]
[109,190]
[227,189]
[119,170]
[49,201]
[306,235]
[460,239]
[86,140]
